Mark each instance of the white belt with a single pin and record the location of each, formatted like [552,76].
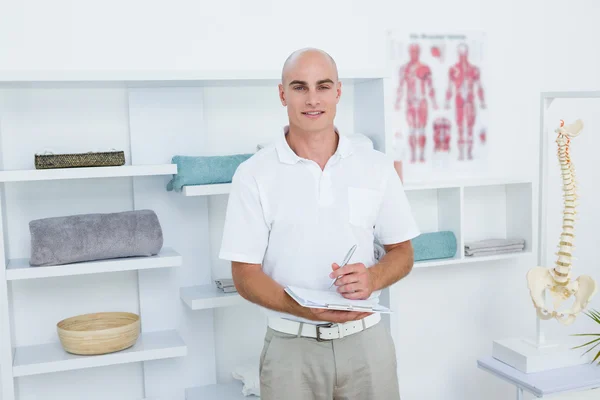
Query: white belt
[323,332]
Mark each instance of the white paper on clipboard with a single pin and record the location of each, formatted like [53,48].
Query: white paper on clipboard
[332,300]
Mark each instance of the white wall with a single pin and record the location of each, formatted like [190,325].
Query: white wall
[530,50]
[533,46]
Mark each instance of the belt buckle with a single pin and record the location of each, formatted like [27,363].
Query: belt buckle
[327,325]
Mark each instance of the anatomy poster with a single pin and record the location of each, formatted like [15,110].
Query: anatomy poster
[438,104]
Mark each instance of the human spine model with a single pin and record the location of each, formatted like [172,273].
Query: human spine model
[557,280]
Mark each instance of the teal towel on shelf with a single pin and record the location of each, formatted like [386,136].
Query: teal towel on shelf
[434,245]
[204,170]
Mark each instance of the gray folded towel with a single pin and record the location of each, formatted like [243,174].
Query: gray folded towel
[488,250]
[493,243]
[89,237]
[493,252]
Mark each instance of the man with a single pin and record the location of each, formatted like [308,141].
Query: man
[294,210]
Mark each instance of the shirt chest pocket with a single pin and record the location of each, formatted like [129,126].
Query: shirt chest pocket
[363,206]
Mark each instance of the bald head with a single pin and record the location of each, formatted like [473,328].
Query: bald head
[310,90]
[302,57]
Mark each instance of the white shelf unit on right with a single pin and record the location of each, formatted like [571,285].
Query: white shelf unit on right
[499,210]
[474,210]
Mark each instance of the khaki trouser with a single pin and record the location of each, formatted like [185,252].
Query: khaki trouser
[361,366]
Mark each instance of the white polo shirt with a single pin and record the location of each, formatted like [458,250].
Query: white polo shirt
[295,219]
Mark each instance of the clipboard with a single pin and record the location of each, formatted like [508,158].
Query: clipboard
[332,300]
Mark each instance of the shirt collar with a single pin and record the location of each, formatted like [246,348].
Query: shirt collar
[287,155]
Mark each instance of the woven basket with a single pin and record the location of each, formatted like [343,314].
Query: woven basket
[99,333]
[76,160]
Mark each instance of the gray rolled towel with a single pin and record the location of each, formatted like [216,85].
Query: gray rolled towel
[90,237]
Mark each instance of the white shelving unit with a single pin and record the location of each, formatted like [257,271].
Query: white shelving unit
[51,357]
[475,210]
[190,112]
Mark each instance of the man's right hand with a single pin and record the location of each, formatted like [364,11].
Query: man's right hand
[337,316]
[255,286]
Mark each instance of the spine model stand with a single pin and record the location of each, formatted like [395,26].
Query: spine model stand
[557,280]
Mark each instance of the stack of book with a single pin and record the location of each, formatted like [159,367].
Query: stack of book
[226,285]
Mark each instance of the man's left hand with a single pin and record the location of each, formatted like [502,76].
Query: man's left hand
[354,281]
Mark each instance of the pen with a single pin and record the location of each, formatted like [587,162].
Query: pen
[346,259]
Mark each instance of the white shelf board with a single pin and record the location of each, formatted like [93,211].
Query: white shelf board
[582,94]
[468,260]
[437,263]
[206,190]
[51,357]
[464,183]
[208,296]
[86,172]
[223,391]
[224,188]
[495,257]
[19,268]
[159,78]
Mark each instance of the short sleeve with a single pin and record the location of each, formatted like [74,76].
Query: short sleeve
[395,222]
[245,231]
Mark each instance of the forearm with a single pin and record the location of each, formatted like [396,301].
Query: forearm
[393,266]
[257,287]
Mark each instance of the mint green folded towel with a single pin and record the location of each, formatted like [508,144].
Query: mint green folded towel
[204,170]
[434,245]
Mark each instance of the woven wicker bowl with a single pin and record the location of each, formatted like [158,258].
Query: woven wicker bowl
[99,333]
